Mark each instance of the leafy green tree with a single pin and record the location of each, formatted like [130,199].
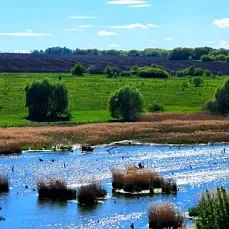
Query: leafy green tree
[78,70]
[147,72]
[46,101]
[126,103]
[108,71]
[197,81]
[181,54]
[207,58]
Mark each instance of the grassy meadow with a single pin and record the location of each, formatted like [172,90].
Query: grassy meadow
[88,95]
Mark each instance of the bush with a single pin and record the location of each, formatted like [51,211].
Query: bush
[134,70]
[221,57]
[227,58]
[157,66]
[156,108]
[78,70]
[213,210]
[180,73]
[89,194]
[207,72]
[126,103]
[207,58]
[55,189]
[125,74]
[193,212]
[211,106]
[47,101]
[4,183]
[111,72]
[164,216]
[92,69]
[147,72]
[219,73]
[197,81]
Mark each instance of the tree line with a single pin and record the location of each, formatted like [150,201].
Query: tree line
[204,54]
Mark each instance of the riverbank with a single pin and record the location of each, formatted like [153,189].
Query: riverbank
[167,130]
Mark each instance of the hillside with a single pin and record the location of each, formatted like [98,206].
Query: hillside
[46,63]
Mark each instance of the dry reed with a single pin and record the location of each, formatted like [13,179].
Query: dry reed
[164,216]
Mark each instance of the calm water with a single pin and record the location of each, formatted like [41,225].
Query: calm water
[22,210]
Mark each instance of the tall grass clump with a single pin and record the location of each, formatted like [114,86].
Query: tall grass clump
[4,183]
[213,210]
[55,189]
[132,179]
[9,149]
[164,216]
[91,193]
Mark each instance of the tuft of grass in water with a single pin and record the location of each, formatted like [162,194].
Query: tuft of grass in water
[9,149]
[89,194]
[4,183]
[164,216]
[55,189]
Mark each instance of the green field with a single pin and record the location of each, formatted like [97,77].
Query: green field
[88,95]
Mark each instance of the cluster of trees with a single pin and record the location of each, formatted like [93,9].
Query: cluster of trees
[199,53]
[193,71]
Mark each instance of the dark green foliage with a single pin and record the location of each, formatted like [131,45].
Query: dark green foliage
[125,74]
[221,57]
[156,108]
[200,51]
[111,72]
[148,72]
[93,69]
[134,70]
[207,58]
[78,70]
[197,81]
[212,106]
[193,212]
[219,73]
[126,103]
[207,72]
[157,66]
[181,54]
[213,210]
[4,183]
[227,58]
[180,73]
[46,100]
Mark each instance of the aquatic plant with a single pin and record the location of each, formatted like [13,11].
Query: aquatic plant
[4,183]
[169,186]
[55,189]
[213,210]
[164,216]
[10,149]
[89,194]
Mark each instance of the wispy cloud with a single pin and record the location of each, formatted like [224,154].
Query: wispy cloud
[26,34]
[169,39]
[85,26]
[73,29]
[139,5]
[126,2]
[103,33]
[133,26]
[152,25]
[221,23]
[223,44]
[113,46]
[83,17]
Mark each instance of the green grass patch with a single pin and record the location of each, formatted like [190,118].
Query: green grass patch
[88,95]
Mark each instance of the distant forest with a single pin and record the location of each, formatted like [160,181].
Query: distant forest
[205,54]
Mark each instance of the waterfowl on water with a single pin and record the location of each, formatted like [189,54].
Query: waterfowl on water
[41,160]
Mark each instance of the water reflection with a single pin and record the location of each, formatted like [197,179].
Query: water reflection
[51,203]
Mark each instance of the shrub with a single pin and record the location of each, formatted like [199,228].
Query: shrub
[111,72]
[197,81]
[125,74]
[164,216]
[55,189]
[126,103]
[193,212]
[227,58]
[221,57]
[152,73]
[47,101]
[180,73]
[92,69]
[219,73]
[213,210]
[4,183]
[78,70]
[207,58]
[211,106]
[14,148]
[134,70]
[207,72]
[89,194]
[157,66]
[156,108]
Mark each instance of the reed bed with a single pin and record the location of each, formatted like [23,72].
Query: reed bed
[55,189]
[165,216]
[132,179]
[91,193]
[4,183]
[165,131]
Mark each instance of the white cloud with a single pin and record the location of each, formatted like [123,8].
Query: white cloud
[83,17]
[85,26]
[28,30]
[113,46]
[130,26]
[73,29]
[26,34]
[126,2]
[152,26]
[223,44]
[139,5]
[221,23]
[169,39]
[103,33]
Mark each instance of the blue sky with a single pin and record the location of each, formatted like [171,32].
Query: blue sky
[121,24]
